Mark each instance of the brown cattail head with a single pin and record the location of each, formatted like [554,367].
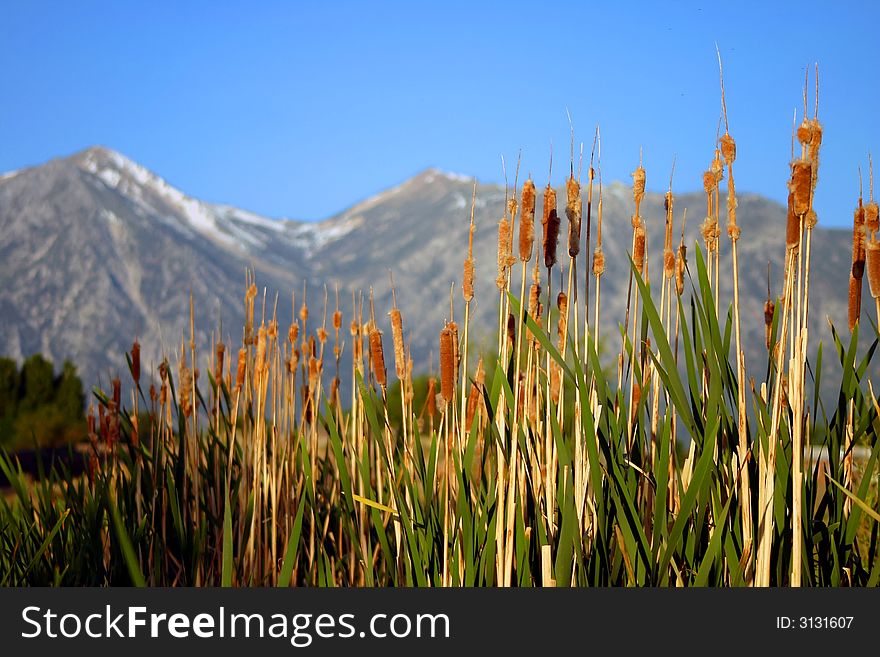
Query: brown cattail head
[680,264]
[334,392]
[708,181]
[858,247]
[219,353]
[503,252]
[855,301]
[598,262]
[801,185]
[474,396]
[668,263]
[792,225]
[562,322]
[805,132]
[573,210]
[769,309]
[377,357]
[447,365]
[240,368]
[117,393]
[186,389]
[639,179]
[728,149]
[872,266]
[550,221]
[260,358]
[639,250]
[337,321]
[397,336]
[431,399]
[511,329]
[293,332]
[527,221]
[136,362]
[534,300]
[456,355]
[304,312]
[811,219]
[467,284]
[872,217]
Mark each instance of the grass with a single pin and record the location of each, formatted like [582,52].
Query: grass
[541,468]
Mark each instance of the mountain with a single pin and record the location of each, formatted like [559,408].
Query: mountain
[97,250]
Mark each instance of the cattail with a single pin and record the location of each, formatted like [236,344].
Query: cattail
[527,221]
[550,221]
[260,358]
[447,366]
[377,357]
[467,284]
[334,392]
[639,178]
[337,321]
[562,324]
[117,393]
[680,262]
[728,149]
[293,332]
[503,252]
[716,167]
[858,253]
[801,185]
[792,226]
[708,181]
[555,381]
[219,353]
[872,266]
[511,329]
[573,210]
[804,132]
[456,355]
[304,312]
[186,390]
[855,301]
[639,251]
[534,300]
[769,309]
[136,362]
[872,217]
[431,400]
[240,368]
[397,336]
[598,262]
[668,263]
[321,332]
[474,396]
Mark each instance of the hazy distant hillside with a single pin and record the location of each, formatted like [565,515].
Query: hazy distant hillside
[96,250]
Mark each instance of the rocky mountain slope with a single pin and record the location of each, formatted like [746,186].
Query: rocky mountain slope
[96,250]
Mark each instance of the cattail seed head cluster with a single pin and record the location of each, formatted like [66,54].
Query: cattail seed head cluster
[769,309]
[447,365]
[562,322]
[728,149]
[219,355]
[801,185]
[377,357]
[397,336]
[872,266]
[639,250]
[872,217]
[550,222]
[467,285]
[136,362]
[792,225]
[598,262]
[680,263]
[503,252]
[527,221]
[639,180]
[574,211]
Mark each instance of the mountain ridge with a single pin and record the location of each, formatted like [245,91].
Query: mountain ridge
[98,250]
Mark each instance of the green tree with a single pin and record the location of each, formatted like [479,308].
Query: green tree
[9,383]
[37,383]
[69,397]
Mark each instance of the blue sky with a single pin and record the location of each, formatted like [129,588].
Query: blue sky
[300,109]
